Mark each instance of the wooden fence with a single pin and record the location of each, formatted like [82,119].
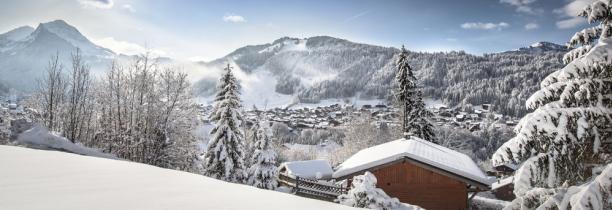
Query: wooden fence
[312,188]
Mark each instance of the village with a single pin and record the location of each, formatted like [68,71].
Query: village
[14,118]
[334,115]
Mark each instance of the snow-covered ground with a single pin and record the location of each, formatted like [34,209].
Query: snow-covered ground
[38,179]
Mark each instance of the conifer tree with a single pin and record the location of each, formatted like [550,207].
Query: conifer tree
[561,143]
[224,158]
[263,171]
[415,116]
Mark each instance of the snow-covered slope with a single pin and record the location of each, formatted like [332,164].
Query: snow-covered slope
[17,34]
[36,179]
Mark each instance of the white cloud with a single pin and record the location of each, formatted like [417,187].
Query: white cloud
[523,6]
[570,12]
[485,26]
[531,26]
[198,59]
[570,23]
[233,18]
[356,16]
[128,8]
[126,48]
[451,39]
[100,4]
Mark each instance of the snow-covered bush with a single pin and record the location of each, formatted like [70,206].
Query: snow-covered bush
[364,194]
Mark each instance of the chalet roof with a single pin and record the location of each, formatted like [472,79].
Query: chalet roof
[420,151]
[310,169]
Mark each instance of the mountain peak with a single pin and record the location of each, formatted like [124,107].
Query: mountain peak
[70,34]
[64,30]
[541,47]
[548,46]
[58,22]
[17,34]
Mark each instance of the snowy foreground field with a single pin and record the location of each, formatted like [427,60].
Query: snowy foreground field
[38,179]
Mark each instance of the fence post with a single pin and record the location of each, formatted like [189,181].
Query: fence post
[297,184]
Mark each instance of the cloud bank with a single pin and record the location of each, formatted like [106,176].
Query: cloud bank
[485,26]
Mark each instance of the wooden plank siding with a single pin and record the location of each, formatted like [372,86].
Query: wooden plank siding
[419,186]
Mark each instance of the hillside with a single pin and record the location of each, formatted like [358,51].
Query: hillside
[37,179]
[323,67]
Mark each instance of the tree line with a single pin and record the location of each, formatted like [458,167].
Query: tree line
[139,111]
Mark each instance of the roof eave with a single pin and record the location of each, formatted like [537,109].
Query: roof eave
[468,181]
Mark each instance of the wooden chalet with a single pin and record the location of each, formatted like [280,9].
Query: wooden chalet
[419,173]
[503,189]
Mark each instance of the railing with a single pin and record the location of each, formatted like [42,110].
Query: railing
[312,188]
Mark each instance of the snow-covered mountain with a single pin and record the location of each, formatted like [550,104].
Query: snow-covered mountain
[540,47]
[25,51]
[317,68]
[289,70]
[16,34]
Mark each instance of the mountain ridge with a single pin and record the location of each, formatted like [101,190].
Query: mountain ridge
[317,68]
[323,67]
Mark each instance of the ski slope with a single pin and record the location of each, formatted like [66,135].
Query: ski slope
[38,179]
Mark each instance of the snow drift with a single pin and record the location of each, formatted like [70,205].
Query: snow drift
[36,179]
[40,138]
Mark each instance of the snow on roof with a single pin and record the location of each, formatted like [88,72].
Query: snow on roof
[39,179]
[508,165]
[416,149]
[502,182]
[310,169]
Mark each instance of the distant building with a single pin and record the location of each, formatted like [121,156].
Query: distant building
[503,189]
[505,169]
[486,107]
[460,118]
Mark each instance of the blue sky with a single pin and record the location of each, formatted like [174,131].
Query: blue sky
[208,29]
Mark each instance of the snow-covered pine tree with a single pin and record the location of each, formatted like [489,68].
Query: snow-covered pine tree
[224,158]
[418,120]
[566,140]
[415,115]
[263,171]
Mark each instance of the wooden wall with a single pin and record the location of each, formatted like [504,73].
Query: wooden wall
[419,186]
